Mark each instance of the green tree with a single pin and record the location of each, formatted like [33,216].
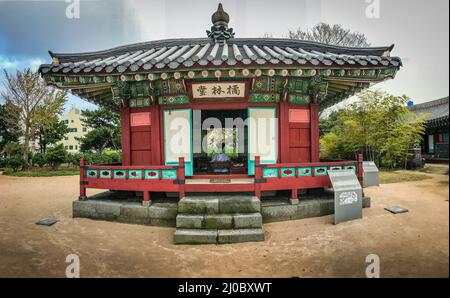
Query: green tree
[12,148]
[9,130]
[14,162]
[74,159]
[30,104]
[378,125]
[332,35]
[56,156]
[326,124]
[39,159]
[98,139]
[105,130]
[52,133]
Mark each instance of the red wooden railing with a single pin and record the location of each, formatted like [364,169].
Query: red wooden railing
[157,178]
[287,175]
[146,178]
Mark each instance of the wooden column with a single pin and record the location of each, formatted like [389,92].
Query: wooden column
[82,180]
[181,178]
[360,159]
[284,133]
[126,137]
[315,132]
[294,194]
[258,177]
[147,198]
[156,135]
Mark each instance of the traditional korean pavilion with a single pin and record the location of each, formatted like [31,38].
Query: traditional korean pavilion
[435,141]
[155,84]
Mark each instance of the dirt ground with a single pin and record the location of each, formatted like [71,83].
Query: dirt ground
[415,244]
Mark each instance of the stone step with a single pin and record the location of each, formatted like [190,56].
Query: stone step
[240,235]
[219,221]
[190,236]
[195,236]
[219,204]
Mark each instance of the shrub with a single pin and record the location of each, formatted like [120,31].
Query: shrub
[91,158]
[56,156]
[74,159]
[8,171]
[2,162]
[39,159]
[14,162]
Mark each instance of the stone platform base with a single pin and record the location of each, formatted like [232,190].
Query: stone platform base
[121,207]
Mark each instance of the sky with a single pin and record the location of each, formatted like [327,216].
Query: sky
[418,28]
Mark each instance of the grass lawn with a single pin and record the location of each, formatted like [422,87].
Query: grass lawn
[387,177]
[44,173]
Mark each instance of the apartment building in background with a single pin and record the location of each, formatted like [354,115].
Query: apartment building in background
[76,130]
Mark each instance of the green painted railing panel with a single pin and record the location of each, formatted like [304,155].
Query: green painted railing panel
[320,171]
[120,174]
[270,173]
[91,173]
[305,172]
[152,174]
[105,173]
[135,174]
[287,172]
[169,174]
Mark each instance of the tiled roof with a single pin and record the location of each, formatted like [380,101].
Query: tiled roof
[188,53]
[436,109]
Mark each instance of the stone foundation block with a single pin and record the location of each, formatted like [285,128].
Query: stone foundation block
[188,236]
[134,214]
[239,204]
[294,201]
[198,205]
[241,235]
[185,221]
[84,209]
[218,221]
[279,212]
[308,209]
[108,210]
[156,212]
[247,221]
[326,207]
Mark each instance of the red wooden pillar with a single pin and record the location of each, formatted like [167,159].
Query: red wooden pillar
[126,137]
[284,133]
[147,198]
[314,132]
[258,177]
[181,178]
[360,159]
[294,194]
[156,135]
[82,180]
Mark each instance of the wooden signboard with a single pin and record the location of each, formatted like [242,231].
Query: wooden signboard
[208,90]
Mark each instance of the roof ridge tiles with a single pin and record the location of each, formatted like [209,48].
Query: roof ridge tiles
[280,42]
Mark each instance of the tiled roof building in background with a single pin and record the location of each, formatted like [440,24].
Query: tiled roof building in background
[436,139]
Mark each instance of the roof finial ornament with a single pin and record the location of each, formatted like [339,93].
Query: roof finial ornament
[219,31]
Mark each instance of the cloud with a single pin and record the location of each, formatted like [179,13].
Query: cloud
[11,63]
[7,64]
